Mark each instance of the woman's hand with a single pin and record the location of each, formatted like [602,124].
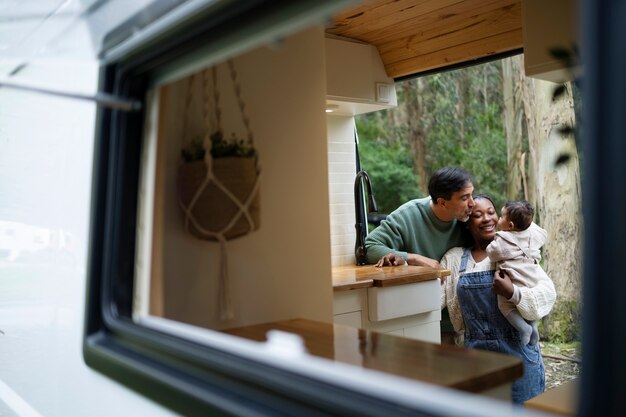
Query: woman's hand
[502,284]
[391,259]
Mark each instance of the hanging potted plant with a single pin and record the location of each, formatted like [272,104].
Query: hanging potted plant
[218,183]
[218,187]
[217,180]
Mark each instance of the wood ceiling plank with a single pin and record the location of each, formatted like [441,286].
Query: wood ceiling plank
[462,53]
[440,20]
[459,31]
[431,34]
[374,16]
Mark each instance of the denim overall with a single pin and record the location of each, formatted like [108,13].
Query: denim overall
[487,329]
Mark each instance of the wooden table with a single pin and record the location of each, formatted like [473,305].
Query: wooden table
[562,399]
[349,277]
[449,366]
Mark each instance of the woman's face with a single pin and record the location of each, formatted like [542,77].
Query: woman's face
[482,222]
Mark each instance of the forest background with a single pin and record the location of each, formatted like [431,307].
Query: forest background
[513,134]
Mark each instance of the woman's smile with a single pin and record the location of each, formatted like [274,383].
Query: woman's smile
[482,222]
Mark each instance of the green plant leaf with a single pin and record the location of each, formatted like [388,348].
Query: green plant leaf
[220,148]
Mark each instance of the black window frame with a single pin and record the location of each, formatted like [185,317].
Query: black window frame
[602,127]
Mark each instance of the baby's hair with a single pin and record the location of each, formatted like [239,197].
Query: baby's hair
[520,212]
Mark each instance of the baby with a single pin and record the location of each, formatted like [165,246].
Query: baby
[515,249]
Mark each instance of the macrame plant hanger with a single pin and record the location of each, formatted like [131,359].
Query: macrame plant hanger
[245,218]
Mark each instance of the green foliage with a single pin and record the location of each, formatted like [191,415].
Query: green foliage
[386,158]
[220,148]
[476,143]
[391,174]
[193,152]
[563,322]
[483,153]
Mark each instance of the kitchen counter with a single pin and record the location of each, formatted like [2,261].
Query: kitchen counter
[450,366]
[400,300]
[349,277]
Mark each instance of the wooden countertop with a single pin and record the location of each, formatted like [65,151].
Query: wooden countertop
[349,277]
[454,367]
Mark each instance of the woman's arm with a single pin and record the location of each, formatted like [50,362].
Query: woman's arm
[536,302]
[502,285]
[532,303]
[452,261]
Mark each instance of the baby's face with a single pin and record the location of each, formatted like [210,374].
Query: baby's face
[503,221]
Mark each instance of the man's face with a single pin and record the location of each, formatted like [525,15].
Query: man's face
[460,204]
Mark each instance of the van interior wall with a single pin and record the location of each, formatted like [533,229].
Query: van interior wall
[281,270]
[341,173]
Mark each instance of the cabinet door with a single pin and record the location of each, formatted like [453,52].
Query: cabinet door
[387,303]
[349,319]
[348,301]
[428,332]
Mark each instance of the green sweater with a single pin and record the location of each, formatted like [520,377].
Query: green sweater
[414,228]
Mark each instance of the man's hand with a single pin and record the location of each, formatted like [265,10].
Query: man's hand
[419,260]
[391,259]
[502,284]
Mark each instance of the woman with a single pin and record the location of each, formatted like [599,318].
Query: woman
[470,293]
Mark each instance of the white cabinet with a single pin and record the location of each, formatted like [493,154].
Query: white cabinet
[397,301]
[348,307]
[410,310]
[352,319]
[550,25]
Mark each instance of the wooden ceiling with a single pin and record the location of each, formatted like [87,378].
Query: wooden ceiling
[414,36]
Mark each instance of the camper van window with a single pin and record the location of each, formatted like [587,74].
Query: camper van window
[202,201]
[210,215]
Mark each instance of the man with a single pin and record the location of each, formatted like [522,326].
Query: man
[420,231]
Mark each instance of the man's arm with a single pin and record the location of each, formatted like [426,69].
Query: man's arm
[420,260]
[386,239]
[395,237]
[393,259]
[383,240]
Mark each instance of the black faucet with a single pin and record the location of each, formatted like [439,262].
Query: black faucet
[361,218]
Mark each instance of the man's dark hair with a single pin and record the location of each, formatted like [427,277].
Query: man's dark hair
[520,212]
[446,181]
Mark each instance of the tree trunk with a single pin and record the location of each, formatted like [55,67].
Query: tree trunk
[396,116]
[462,86]
[416,114]
[512,112]
[556,194]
